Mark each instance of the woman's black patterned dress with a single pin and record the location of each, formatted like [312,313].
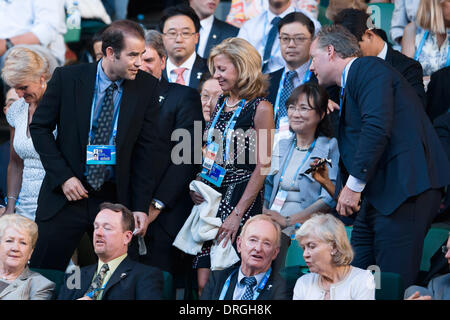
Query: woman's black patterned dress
[239,168]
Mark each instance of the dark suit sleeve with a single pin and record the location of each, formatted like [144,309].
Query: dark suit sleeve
[149,285]
[210,287]
[44,123]
[149,156]
[414,74]
[373,93]
[177,176]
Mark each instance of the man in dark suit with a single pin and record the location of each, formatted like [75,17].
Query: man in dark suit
[115,276]
[390,154]
[438,95]
[110,107]
[258,244]
[212,31]
[180,27]
[372,44]
[180,109]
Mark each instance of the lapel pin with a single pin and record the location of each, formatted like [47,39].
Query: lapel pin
[123,275]
[161,98]
[269,287]
[214,36]
[199,75]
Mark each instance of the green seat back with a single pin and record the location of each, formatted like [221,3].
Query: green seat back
[433,242]
[322,18]
[391,287]
[381,13]
[56,276]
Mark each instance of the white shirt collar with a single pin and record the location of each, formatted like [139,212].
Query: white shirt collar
[383,52]
[188,64]
[271,15]
[258,277]
[207,22]
[346,69]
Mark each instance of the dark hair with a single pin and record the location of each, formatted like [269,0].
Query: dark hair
[354,20]
[113,36]
[179,10]
[205,77]
[127,215]
[300,18]
[317,98]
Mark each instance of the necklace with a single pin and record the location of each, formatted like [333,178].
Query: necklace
[232,105]
[303,148]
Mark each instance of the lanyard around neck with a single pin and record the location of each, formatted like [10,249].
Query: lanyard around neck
[256,294]
[94,101]
[291,151]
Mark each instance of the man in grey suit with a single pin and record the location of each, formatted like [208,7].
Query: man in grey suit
[437,289]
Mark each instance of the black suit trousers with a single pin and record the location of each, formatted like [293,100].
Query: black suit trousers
[60,235]
[395,242]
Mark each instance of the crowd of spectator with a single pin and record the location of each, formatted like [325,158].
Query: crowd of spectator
[204,150]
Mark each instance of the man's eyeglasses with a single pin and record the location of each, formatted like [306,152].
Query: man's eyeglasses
[297,40]
[174,34]
[302,109]
[253,242]
[208,98]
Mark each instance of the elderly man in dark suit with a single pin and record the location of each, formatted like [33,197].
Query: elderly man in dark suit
[115,276]
[372,44]
[212,31]
[254,279]
[180,111]
[390,154]
[109,108]
[180,27]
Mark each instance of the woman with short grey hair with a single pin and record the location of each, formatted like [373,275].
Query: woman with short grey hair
[18,236]
[328,255]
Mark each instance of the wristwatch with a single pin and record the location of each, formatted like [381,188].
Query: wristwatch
[288,221]
[8,44]
[157,205]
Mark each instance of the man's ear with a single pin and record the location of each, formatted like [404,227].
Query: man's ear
[110,54]
[128,237]
[238,243]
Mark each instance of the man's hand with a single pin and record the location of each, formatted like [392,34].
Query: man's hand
[348,202]
[140,221]
[276,217]
[416,296]
[332,106]
[73,189]
[153,213]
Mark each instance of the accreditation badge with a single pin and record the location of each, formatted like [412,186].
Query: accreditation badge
[279,201]
[210,156]
[215,175]
[101,154]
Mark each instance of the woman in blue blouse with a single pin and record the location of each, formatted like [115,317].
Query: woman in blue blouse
[291,195]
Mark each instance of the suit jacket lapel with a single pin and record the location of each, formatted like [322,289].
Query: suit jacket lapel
[164,90]
[16,283]
[212,38]
[389,55]
[128,104]
[120,273]
[195,74]
[84,93]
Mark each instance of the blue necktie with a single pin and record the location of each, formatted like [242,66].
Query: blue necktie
[249,282]
[269,44]
[96,173]
[288,87]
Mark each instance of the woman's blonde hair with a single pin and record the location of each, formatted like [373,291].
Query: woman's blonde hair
[23,65]
[247,61]
[331,230]
[430,16]
[335,6]
[20,223]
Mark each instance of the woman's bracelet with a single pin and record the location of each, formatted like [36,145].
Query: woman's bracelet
[238,213]
[11,197]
